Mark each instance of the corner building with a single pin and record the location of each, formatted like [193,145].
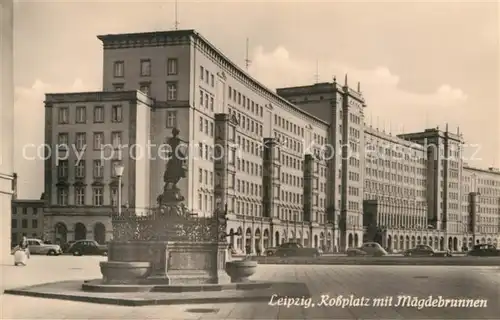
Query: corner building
[290,165]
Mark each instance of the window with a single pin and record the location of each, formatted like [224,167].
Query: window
[144,88]
[62,169]
[81,140]
[116,113]
[63,115]
[98,169]
[171,66]
[145,68]
[119,69]
[34,224]
[98,114]
[171,91]
[116,138]
[24,223]
[80,196]
[171,119]
[14,223]
[81,115]
[80,169]
[62,140]
[62,196]
[202,94]
[211,103]
[25,210]
[118,86]
[212,80]
[98,140]
[97,196]
[202,72]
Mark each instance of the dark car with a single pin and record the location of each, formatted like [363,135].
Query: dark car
[367,249]
[270,251]
[292,249]
[484,250]
[88,247]
[423,250]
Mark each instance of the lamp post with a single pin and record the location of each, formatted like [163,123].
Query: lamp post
[119,173]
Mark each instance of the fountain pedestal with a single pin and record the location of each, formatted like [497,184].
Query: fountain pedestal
[165,262]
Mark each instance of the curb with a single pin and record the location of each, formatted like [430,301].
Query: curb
[389,262]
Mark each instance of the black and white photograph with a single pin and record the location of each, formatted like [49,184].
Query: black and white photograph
[239,159]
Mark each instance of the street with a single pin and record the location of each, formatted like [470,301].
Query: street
[362,282]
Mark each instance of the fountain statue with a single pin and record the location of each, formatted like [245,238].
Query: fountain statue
[168,238]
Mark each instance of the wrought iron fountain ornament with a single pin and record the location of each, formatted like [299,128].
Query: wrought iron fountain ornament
[171,221]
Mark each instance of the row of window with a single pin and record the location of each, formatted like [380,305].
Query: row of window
[245,102]
[24,210]
[63,140]
[63,169]
[145,68]
[379,187]
[80,194]
[247,123]
[99,113]
[24,224]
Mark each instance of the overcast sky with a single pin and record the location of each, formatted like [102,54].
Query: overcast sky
[420,64]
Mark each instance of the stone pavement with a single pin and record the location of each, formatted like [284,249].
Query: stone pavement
[361,281]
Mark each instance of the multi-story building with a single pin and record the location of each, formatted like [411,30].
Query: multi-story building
[298,164]
[480,206]
[27,219]
[6,124]
[412,183]
[88,134]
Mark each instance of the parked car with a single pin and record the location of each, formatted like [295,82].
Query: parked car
[423,250]
[270,251]
[484,250]
[37,246]
[293,249]
[367,249]
[88,247]
[67,245]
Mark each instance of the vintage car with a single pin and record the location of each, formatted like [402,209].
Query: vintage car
[484,250]
[293,249]
[423,250]
[367,249]
[37,246]
[270,251]
[87,248]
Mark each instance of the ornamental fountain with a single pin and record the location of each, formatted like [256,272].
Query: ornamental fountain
[170,246]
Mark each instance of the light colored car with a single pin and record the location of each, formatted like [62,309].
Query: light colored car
[368,249]
[37,246]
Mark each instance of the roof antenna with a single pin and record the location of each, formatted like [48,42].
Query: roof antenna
[316,75]
[176,22]
[247,60]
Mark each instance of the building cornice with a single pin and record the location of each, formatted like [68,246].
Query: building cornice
[97,96]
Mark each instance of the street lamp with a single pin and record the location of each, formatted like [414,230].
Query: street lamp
[119,173]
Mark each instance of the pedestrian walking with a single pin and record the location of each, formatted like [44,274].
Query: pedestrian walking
[21,253]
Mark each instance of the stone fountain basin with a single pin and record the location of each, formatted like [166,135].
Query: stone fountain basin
[241,270]
[120,271]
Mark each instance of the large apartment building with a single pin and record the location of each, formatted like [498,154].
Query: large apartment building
[295,166]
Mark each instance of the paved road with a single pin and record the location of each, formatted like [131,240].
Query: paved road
[360,281]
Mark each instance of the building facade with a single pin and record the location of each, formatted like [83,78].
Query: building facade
[86,134]
[298,164]
[6,124]
[27,219]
